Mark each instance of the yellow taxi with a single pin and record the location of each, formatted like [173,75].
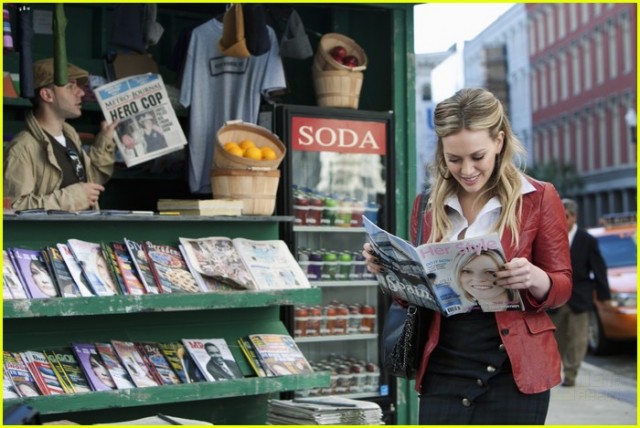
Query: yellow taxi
[608,324]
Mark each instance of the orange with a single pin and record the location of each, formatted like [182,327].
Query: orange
[236,151]
[245,144]
[253,153]
[231,144]
[268,153]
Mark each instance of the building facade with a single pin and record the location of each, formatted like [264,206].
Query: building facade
[497,59]
[583,84]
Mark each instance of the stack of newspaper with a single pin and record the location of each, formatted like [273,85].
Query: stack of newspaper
[327,410]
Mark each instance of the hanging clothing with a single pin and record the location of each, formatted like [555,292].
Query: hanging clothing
[219,88]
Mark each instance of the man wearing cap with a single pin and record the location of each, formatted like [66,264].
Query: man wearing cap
[45,165]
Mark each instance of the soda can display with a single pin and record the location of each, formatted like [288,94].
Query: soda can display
[314,268]
[344,265]
[314,210]
[300,207]
[329,211]
[330,265]
[368,322]
[354,320]
[314,321]
[358,265]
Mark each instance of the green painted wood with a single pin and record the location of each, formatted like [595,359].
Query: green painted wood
[84,306]
[170,393]
[36,231]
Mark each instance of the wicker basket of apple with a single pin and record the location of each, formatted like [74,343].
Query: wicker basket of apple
[340,53]
[337,71]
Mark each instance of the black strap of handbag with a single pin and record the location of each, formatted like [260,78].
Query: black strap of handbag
[424,199]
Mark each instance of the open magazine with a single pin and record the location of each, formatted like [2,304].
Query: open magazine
[148,127]
[245,263]
[449,277]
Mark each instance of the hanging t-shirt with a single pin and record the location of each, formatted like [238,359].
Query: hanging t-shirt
[219,88]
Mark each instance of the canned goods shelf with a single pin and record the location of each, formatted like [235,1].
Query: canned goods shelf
[363,283]
[336,338]
[332,229]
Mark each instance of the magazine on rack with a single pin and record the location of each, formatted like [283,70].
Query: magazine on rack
[449,277]
[148,127]
[244,263]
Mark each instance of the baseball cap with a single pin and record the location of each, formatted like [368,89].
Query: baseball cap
[43,73]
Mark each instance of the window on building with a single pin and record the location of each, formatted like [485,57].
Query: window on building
[586,50]
[534,90]
[575,57]
[613,53]
[585,12]
[566,140]
[577,123]
[601,114]
[540,31]
[597,9]
[532,38]
[555,142]
[551,33]
[562,24]
[616,123]
[564,76]
[599,56]
[627,54]
[544,134]
[543,85]
[553,78]
[573,16]
[591,145]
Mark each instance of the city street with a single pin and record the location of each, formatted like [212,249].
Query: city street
[605,392]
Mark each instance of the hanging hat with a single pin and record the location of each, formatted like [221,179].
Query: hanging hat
[255,28]
[295,42]
[233,42]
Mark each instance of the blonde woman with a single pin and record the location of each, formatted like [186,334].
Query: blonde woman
[491,367]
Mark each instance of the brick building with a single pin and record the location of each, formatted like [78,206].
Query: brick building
[583,84]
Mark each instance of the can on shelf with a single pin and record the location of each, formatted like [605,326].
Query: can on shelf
[358,266]
[354,321]
[315,208]
[368,324]
[300,319]
[330,265]
[342,315]
[329,212]
[314,268]
[314,322]
[300,207]
[344,265]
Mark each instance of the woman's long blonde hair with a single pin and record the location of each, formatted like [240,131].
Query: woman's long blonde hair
[476,109]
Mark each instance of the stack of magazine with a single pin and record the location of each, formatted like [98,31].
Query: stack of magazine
[328,410]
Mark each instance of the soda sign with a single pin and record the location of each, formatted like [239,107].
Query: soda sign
[336,135]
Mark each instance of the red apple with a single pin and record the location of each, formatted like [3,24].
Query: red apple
[338,53]
[350,61]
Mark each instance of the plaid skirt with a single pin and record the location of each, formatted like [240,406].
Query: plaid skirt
[469,380]
[451,400]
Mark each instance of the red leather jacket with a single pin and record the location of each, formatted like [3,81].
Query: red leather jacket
[528,336]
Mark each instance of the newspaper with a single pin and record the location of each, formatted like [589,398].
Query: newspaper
[449,277]
[148,127]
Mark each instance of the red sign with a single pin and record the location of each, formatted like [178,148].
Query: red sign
[336,135]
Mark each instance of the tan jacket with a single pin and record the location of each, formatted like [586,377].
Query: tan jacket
[32,176]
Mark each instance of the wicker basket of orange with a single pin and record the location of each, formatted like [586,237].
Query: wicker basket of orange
[242,145]
[245,166]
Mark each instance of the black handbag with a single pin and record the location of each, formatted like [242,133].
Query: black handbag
[405,329]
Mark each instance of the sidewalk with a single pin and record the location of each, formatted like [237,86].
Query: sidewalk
[599,398]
